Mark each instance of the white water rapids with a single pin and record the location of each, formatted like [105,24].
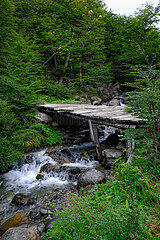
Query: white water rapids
[22,179]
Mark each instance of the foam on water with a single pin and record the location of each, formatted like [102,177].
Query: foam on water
[24,178]
[82,164]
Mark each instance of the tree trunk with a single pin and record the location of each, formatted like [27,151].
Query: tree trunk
[64,70]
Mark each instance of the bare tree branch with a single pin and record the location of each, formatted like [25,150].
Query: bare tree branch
[55,53]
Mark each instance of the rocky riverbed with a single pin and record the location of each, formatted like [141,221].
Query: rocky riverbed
[31,192]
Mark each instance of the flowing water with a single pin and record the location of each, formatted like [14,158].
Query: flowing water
[22,179]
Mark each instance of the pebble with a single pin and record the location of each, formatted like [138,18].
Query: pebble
[43,211]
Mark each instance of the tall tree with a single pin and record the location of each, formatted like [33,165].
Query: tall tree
[144,102]
[132,40]
[70,36]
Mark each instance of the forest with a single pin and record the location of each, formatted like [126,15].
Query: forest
[62,51]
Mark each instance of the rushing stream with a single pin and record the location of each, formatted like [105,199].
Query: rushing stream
[34,179]
[22,179]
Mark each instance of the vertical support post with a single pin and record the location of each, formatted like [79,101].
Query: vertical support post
[130,145]
[94,137]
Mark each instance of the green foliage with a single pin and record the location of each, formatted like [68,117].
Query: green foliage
[115,210]
[70,36]
[10,152]
[25,138]
[19,81]
[36,135]
[137,184]
[56,91]
[132,40]
[6,25]
[145,103]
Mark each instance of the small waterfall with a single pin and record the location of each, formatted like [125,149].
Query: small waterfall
[22,179]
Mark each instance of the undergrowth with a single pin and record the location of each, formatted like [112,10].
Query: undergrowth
[122,209]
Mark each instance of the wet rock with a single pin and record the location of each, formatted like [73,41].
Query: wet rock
[41,228]
[114,102]
[59,157]
[102,180]
[75,139]
[18,219]
[64,160]
[34,228]
[40,176]
[28,159]
[34,214]
[96,100]
[23,200]
[89,177]
[111,153]
[75,170]
[49,167]
[71,188]
[1,181]
[17,233]
[85,159]
[44,118]
[84,99]
[67,152]
[49,150]
[43,211]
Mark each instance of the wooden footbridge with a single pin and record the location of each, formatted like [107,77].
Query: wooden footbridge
[114,116]
[92,115]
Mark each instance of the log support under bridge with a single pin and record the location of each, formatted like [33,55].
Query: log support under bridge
[94,137]
[130,144]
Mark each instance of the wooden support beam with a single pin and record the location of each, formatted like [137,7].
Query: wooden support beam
[94,137]
[130,145]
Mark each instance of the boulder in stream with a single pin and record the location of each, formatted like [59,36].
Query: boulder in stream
[112,153]
[40,176]
[49,167]
[90,177]
[21,199]
[16,233]
[64,156]
[18,219]
[114,102]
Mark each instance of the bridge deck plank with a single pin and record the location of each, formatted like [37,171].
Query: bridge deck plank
[104,113]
